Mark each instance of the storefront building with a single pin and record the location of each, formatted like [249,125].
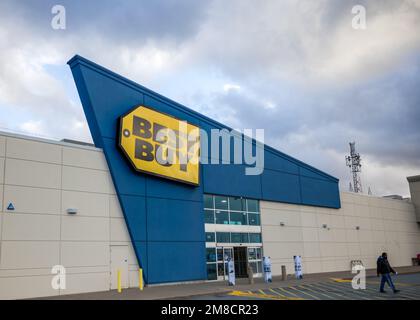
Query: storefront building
[98,209]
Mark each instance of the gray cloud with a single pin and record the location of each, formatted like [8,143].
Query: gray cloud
[296,69]
[117,21]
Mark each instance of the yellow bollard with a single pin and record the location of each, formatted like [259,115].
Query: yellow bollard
[119,281]
[140,278]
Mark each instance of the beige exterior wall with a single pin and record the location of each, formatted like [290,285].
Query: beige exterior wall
[384,225]
[43,179]
[414,183]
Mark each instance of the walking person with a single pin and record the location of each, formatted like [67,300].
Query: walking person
[384,269]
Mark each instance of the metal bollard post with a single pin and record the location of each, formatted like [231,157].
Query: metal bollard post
[141,285]
[119,281]
[283,273]
[250,275]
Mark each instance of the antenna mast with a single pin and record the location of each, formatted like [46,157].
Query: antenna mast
[353,161]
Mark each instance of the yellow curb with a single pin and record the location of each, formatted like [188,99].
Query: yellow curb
[340,280]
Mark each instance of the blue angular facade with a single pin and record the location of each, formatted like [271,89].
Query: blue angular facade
[164,218]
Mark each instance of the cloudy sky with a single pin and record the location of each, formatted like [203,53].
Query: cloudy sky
[297,69]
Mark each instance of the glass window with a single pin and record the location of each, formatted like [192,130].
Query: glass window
[223,237]
[253,205]
[245,238]
[222,217]
[252,254]
[208,201]
[221,202]
[219,254]
[236,237]
[210,237]
[228,253]
[208,216]
[254,266]
[255,237]
[211,254]
[238,218]
[259,255]
[236,204]
[220,269]
[254,219]
[211,271]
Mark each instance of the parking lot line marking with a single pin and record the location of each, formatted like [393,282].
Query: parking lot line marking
[394,296]
[286,291]
[370,292]
[332,289]
[348,290]
[397,296]
[326,287]
[302,292]
[277,293]
[308,285]
[397,284]
[319,290]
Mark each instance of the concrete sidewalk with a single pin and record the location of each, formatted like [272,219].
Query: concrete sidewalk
[211,288]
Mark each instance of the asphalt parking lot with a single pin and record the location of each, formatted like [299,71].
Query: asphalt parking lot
[331,289]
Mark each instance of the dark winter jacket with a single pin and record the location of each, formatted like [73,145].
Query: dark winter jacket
[383,266]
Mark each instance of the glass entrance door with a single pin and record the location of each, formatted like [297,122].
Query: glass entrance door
[241,262]
[223,253]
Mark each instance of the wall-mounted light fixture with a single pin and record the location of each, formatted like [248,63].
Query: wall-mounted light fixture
[71,211]
[357,228]
[324,226]
[282,224]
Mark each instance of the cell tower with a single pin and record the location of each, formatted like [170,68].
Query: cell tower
[353,161]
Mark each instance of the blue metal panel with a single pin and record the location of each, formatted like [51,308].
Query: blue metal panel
[140,248]
[134,208]
[280,186]
[176,261]
[161,188]
[313,174]
[126,180]
[230,179]
[320,192]
[164,214]
[105,97]
[274,162]
[165,107]
[167,233]
[109,97]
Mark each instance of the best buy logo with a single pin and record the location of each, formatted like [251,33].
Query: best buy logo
[160,144]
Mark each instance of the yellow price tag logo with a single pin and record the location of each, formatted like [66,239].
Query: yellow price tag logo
[160,144]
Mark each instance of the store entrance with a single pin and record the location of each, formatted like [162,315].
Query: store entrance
[241,261]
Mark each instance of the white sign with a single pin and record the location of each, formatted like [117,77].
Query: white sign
[298,267]
[231,272]
[267,269]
